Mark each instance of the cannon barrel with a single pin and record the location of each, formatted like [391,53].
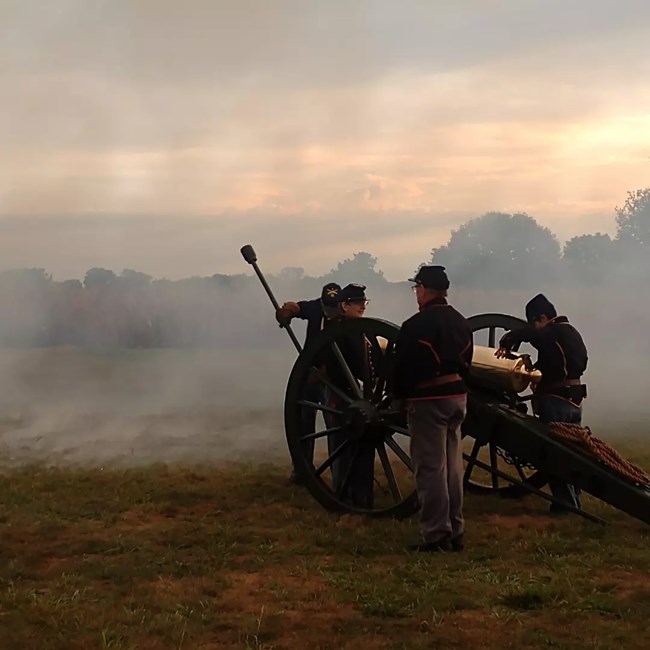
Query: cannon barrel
[513,375]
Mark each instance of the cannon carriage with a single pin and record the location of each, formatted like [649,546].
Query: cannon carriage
[360,434]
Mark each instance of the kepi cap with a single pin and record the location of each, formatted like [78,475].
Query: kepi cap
[432,277]
[540,305]
[330,294]
[353,293]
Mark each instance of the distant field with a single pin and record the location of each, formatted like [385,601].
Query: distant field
[67,406]
[133,407]
[209,557]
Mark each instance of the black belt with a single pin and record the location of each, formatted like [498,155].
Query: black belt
[572,392]
[563,383]
[441,380]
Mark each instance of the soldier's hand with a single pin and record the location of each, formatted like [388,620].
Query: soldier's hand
[283,316]
[286,313]
[502,353]
[505,346]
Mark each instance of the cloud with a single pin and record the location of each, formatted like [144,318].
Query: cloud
[296,42]
[196,125]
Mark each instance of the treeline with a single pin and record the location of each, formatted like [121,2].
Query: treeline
[499,250]
[134,310]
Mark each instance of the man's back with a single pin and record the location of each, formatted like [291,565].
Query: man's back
[433,350]
[434,342]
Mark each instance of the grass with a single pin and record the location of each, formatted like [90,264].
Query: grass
[232,557]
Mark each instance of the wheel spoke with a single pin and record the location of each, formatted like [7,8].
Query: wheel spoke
[492,335]
[520,471]
[399,452]
[493,463]
[348,474]
[335,389]
[398,429]
[321,434]
[319,407]
[384,491]
[354,385]
[388,470]
[366,368]
[335,454]
[471,461]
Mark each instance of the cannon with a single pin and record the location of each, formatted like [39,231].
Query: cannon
[361,437]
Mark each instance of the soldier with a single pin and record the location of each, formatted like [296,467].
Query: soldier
[562,359]
[358,488]
[317,313]
[433,352]
[353,301]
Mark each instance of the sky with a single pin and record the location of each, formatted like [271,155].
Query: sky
[163,135]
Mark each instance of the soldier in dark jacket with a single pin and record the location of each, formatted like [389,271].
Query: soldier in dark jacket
[432,354]
[562,359]
[357,461]
[317,313]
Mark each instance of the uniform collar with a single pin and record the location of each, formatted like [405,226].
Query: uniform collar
[434,302]
[559,319]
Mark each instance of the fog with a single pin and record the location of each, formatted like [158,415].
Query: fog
[162,136]
[223,400]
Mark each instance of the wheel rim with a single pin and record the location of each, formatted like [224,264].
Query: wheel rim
[360,461]
[487,330]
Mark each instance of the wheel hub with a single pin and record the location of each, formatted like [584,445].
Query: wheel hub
[363,420]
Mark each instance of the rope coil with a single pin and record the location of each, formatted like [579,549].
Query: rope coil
[583,438]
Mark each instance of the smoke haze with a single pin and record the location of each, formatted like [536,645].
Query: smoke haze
[161,136]
[225,401]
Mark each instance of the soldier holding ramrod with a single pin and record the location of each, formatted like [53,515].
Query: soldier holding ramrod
[317,313]
[335,303]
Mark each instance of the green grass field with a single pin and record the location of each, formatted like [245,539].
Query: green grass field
[231,556]
[224,555]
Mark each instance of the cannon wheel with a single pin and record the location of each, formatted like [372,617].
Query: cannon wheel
[476,480]
[359,428]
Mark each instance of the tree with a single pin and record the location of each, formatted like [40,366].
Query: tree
[633,219]
[361,268]
[500,249]
[72,285]
[291,274]
[135,279]
[588,251]
[98,277]
[26,299]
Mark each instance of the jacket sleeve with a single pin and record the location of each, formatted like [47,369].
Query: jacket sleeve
[308,309]
[528,334]
[466,356]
